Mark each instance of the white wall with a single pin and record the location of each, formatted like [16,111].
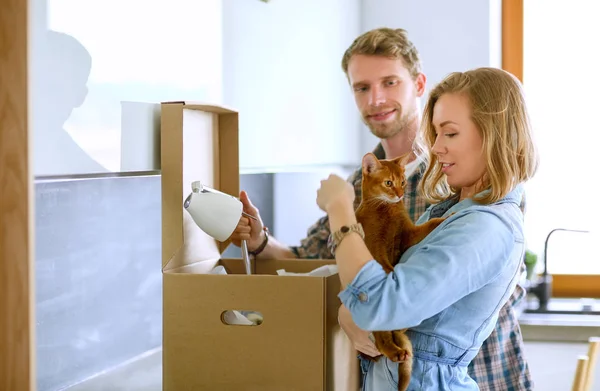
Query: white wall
[282,72]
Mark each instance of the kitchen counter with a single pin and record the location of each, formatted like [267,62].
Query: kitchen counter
[559,327]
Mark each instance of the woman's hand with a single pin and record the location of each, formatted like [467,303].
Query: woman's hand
[359,338]
[248,229]
[334,190]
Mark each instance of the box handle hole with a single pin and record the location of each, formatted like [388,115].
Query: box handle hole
[241,318]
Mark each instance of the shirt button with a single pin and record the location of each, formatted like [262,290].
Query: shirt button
[362,296]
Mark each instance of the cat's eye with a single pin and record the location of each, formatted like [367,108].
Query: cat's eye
[389,183]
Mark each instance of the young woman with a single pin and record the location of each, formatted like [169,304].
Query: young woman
[448,289]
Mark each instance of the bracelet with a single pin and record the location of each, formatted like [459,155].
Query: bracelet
[336,237]
[262,245]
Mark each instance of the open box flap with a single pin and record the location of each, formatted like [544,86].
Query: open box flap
[218,109]
[198,142]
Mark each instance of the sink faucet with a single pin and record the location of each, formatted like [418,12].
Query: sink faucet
[543,288]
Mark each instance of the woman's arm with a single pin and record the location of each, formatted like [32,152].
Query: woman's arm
[472,248]
[352,249]
[336,198]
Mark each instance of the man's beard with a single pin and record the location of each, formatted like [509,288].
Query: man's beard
[390,129]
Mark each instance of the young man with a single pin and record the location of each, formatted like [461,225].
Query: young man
[384,71]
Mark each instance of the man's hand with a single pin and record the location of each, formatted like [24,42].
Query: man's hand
[360,338]
[248,229]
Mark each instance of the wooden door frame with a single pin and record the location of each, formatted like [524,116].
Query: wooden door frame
[17,310]
[512,37]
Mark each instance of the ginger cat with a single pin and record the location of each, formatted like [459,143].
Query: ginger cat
[389,231]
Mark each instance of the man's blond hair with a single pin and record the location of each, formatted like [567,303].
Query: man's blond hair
[385,42]
[499,111]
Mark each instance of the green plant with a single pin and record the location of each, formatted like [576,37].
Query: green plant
[530,262]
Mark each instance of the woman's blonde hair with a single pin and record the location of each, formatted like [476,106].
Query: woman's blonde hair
[499,111]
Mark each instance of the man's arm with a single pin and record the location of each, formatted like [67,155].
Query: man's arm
[276,250]
[314,246]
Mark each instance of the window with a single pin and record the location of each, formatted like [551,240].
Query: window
[559,66]
[94,61]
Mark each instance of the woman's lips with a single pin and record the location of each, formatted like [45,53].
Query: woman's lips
[446,167]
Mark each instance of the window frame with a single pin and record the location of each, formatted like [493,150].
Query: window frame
[563,285]
[17,323]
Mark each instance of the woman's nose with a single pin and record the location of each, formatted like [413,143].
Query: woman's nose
[438,146]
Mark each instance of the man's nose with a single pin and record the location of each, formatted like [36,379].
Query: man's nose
[376,97]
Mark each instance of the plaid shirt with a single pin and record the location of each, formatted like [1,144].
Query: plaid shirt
[500,364]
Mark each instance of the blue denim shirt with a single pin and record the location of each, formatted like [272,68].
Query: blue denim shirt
[447,289]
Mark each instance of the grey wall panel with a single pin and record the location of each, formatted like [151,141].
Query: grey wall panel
[98,275]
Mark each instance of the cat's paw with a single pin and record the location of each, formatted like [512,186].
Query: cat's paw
[400,355]
[397,354]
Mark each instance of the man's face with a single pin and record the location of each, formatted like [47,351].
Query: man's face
[385,93]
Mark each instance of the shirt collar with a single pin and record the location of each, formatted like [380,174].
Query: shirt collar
[438,210]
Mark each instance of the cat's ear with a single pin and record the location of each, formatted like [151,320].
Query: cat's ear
[403,160]
[370,163]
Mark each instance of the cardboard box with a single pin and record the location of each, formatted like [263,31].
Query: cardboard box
[298,345]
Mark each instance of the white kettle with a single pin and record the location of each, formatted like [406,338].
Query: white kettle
[216,213]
